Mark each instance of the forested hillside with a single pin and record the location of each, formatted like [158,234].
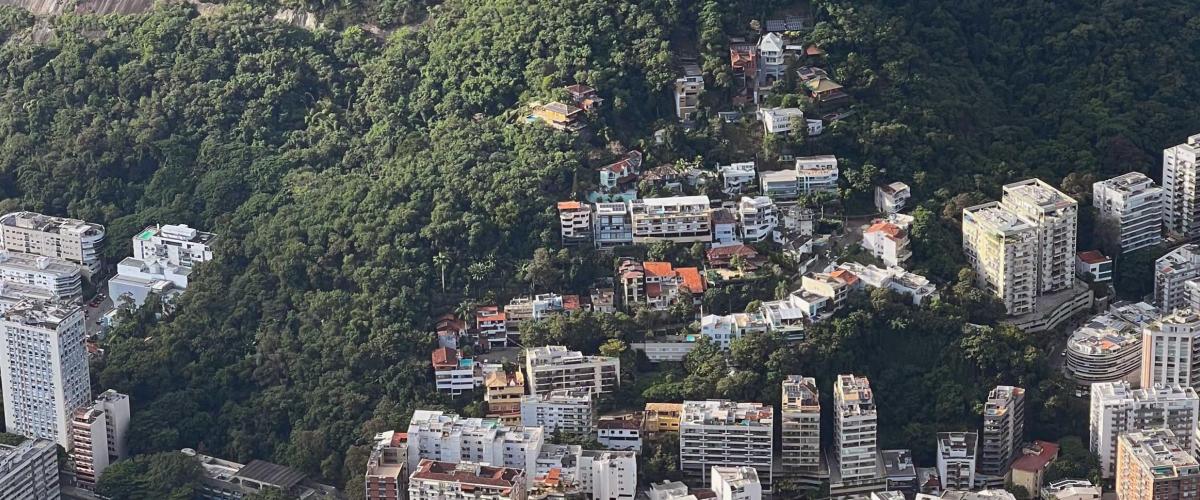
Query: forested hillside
[337,165]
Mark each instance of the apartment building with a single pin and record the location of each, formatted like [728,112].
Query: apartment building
[175,244]
[855,449]
[1155,464]
[687,92]
[503,396]
[568,411]
[492,325]
[98,436]
[608,475]
[800,416]
[1171,349]
[1117,409]
[781,120]
[541,306]
[680,219]
[454,375]
[893,278]
[770,56]
[446,437]
[434,480]
[29,470]
[575,222]
[71,240]
[1181,203]
[956,459]
[724,228]
[620,432]
[737,177]
[757,217]
[1002,249]
[44,369]
[817,173]
[1133,205]
[554,367]
[12,294]
[1108,347]
[1054,216]
[1003,429]
[887,242]
[1029,469]
[62,279]
[162,262]
[657,285]
[662,417]
[735,483]
[387,467]
[892,198]
[728,434]
[1171,272]
[613,225]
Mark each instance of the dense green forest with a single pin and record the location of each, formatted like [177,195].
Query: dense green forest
[336,164]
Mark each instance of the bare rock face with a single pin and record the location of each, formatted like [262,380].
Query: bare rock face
[39,7]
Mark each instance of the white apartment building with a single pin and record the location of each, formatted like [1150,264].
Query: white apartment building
[780,120]
[855,449]
[1171,272]
[387,467]
[892,198]
[434,480]
[956,459]
[29,470]
[1181,205]
[575,222]
[725,433]
[44,369]
[620,432]
[894,278]
[1001,247]
[1003,430]
[687,92]
[454,375]
[178,245]
[737,177]
[12,294]
[1071,489]
[758,218]
[681,219]
[780,184]
[724,228]
[608,475]
[1108,347]
[1134,204]
[669,490]
[1117,409]
[887,242]
[817,173]
[567,411]
[62,279]
[71,240]
[613,225]
[444,437]
[735,483]
[98,436]
[554,367]
[800,416]
[136,279]
[1054,216]
[1171,350]
[770,56]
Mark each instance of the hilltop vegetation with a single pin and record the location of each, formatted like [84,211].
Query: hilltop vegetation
[336,166]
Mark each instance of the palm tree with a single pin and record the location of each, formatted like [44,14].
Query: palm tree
[442,260]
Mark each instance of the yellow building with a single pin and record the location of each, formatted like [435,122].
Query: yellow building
[503,396]
[663,417]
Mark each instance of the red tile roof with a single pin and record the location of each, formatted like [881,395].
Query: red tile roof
[444,358]
[658,269]
[570,302]
[1033,462]
[844,276]
[887,228]
[727,252]
[497,477]
[1093,257]
[691,279]
[568,205]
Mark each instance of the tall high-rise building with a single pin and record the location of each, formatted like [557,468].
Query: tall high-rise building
[44,370]
[956,459]
[1132,205]
[855,445]
[1117,409]
[98,436]
[1003,429]
[59,237]
[29,470]
[1171,274]
[1001,247]
[1181,211]
[1171,350]
[1055,215]
[800,443]
[1154,465]
[725,433]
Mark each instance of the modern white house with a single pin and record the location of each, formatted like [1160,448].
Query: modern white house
[892,198]
[757,217]
[737,177]
[780,120]
[817,173]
